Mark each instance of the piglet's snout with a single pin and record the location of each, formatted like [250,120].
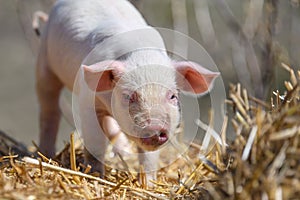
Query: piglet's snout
[156,133]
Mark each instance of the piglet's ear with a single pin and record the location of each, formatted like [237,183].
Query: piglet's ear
[193,78]
[102,76]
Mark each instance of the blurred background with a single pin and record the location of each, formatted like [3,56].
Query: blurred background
[248,41]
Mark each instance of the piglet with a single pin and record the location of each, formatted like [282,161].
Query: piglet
[128,90]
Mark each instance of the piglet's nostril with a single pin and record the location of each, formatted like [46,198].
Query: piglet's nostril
[162,133]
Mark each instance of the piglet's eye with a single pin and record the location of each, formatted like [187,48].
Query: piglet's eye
[173,96]
[130,97]
[126,97]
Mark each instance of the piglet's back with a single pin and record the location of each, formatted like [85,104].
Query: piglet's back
[76,26]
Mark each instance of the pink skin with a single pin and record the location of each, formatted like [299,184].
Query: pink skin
[68,39]
[152,129]
[155,133]
[156,139]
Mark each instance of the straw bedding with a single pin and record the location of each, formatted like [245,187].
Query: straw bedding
[262,162]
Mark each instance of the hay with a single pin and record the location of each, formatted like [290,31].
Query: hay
[261,163]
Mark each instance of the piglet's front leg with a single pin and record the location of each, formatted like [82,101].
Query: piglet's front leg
[117,138]
[96,135]
[149,161]
[95,141]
